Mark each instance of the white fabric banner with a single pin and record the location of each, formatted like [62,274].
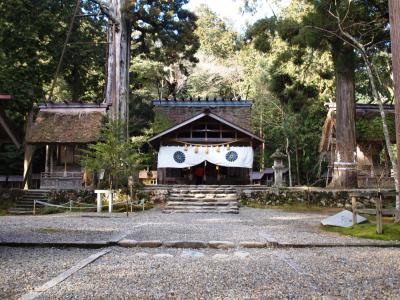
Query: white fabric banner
[177,157]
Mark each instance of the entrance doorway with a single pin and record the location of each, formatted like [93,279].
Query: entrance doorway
[219,175]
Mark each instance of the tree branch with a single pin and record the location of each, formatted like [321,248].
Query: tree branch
[106,9]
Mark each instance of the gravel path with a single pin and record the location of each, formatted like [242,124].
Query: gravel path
[350,273]
[25,268]
[249,225]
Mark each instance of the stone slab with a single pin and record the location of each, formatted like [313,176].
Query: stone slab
[185,244]
[221,244]
[253,244]
[149,244]
[127,243]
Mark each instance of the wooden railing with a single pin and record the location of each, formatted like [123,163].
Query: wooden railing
[379,211]
[61,180]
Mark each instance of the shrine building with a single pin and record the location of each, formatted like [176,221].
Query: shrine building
[207,141]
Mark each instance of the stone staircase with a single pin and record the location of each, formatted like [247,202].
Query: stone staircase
[202,199]
[24,206]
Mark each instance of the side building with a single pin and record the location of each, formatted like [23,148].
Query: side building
[371,158]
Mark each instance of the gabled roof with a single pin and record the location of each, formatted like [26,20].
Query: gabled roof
[200,116]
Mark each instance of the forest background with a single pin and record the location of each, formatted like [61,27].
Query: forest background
[279,62]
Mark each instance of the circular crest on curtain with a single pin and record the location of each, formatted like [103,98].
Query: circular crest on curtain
[179,157]
[231,156]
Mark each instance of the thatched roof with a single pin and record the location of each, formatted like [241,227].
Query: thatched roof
[327,131]
[74,126]
[368,125]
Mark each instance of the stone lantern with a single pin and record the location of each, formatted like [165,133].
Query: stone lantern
[278,167]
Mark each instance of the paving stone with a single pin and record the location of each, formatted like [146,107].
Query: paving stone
[221,256]
[185,244]
[241,254]
[252,244]
[141,254]
[221,244]
[149,244]
[163,255]
[191,253]
[127,243]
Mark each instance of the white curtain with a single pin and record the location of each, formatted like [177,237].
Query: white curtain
[181,157]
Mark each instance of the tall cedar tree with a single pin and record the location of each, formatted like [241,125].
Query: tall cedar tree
[319,29]
[155,28]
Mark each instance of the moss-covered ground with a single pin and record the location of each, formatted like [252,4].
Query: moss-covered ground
[391,232]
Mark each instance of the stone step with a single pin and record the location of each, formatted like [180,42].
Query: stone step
[204,207]
[181,203]
[34,196]
[224,211]
[187,200]
[208,196]
[20,212]
[201,200]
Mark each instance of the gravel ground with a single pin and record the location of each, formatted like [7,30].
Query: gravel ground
[250,225]
[25,268]
[351,273]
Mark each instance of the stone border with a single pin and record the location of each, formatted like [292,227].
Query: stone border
[219,245]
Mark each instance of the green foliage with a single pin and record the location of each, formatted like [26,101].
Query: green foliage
[31,46]
[391,232]
[162,30]
[118,157]
[216,38]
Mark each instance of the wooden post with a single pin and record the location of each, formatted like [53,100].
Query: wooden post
[99,206]
[354,209]
[70,205]
[394,17]
[34,207]
[379,226]
[46,165]
[110,202]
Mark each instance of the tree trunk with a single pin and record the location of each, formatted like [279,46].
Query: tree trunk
[117,93]
[394,13]
[345,173]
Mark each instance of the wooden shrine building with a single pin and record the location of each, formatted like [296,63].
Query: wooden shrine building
[211,139]
[371,157]
[60,131]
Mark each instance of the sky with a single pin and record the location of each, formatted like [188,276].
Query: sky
[230,10]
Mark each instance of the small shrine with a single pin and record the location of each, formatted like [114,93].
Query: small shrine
[209,142]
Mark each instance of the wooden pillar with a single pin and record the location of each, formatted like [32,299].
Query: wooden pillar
[46,164]
[51,159]
[379,226]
